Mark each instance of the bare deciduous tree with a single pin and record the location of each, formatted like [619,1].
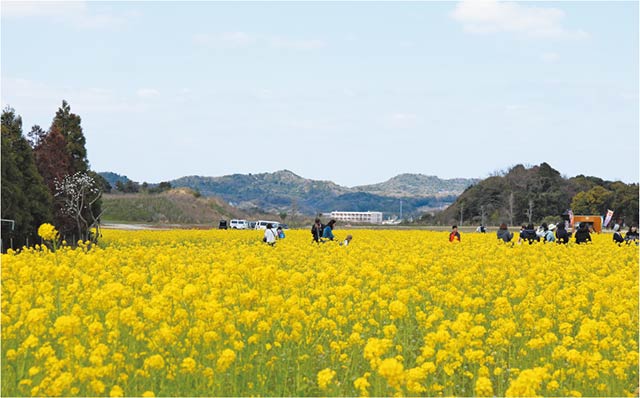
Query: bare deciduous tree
[78,192]
[529,212]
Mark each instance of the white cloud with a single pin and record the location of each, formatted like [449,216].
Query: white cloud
[74,13]
[402,120]
[514,108]
[296,44]
[347,92]
[225,40]
[27,9]
[490,16]
[99,21]
[30,97]
[404,116]
[147,93]
[550,57]
[228,40]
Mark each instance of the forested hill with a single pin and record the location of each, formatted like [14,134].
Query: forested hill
[418,185]
[541,189]
[286,191]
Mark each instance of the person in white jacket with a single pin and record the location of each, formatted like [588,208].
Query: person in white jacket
[270,236]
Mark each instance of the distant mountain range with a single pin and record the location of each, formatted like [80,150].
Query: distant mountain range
[285,191]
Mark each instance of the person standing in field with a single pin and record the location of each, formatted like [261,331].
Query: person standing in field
[504,234]
[328,230]
[454,235]
[316,230]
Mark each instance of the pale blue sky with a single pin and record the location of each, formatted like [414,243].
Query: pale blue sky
[350,92]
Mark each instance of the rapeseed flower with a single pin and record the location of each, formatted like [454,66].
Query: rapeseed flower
[48,232]
[175,313]
[325,377]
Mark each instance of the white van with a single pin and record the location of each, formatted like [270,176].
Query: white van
[238,224]
[262,224]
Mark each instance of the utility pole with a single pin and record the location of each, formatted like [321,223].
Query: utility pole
[482,213]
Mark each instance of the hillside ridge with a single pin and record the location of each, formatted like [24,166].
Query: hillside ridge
[284,190]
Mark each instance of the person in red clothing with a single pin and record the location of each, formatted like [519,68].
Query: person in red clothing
[454,235]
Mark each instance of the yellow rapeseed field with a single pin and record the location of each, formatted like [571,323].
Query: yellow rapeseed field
[219,313]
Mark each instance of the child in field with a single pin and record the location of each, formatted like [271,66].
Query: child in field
[454,235]
[346,241]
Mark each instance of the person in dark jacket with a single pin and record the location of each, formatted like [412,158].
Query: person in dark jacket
[617,235]
[582,234]
[529,234]
[504,234]
[632,234]
[562,236]
[316,230]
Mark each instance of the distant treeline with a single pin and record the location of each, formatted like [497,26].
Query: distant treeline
[534,194]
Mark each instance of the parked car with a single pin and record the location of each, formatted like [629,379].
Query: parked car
[239,224]
[222,224]
[262,224]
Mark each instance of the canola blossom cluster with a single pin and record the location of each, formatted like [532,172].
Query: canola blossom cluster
[48,232]
[406,313]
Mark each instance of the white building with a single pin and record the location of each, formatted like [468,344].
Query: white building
[372,217]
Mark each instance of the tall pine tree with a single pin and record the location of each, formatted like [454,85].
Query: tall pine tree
[68,124]
[61,152]
[25,198]
[54,163]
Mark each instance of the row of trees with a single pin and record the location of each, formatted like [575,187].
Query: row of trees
[539,193]
[46,179]
[134,187]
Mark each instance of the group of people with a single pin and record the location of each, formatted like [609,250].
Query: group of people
[323,233]
[527,233]
[631,235]
[552,233]
[271,236]
[546,233]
